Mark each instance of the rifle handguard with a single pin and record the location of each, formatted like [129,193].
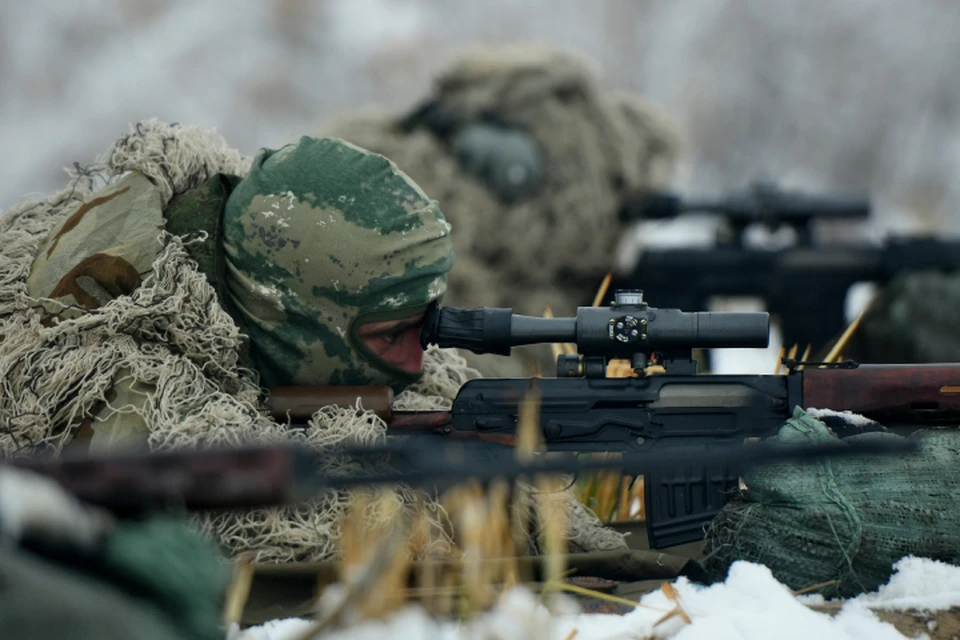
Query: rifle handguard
[298,404]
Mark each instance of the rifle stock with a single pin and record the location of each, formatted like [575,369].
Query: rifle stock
[893,395]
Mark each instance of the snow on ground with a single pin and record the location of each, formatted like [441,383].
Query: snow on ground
[749,605]
[918,584]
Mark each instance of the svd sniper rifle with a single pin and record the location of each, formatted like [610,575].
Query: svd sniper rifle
[805,285]
[676,414]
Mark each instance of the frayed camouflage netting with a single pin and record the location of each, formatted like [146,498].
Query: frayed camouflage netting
[845,520]
[171,334]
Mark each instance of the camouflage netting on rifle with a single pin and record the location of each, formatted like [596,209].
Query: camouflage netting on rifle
[553,247]
[847,520]
[914,319]
[172,334]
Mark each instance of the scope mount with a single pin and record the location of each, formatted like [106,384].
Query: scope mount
[630,330]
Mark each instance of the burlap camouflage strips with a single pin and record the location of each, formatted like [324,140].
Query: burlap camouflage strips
[163,364]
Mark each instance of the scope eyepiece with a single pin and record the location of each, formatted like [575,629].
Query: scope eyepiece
[480,330]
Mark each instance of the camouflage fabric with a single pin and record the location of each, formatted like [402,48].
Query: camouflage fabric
[320,238]
[93,256]
[99,252]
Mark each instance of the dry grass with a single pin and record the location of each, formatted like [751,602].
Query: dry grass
[238,591]
[491,528]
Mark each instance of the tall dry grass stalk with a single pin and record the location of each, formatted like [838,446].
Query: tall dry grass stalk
[609,494]
[491,527]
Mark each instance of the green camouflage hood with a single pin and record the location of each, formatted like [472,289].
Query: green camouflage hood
[322,237]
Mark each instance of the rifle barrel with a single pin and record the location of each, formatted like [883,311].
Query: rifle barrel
[276,475]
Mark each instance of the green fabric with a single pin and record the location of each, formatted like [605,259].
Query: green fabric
[319,237]
[844,519]
[174,568]
[200,210]
[155,574]
[42,600]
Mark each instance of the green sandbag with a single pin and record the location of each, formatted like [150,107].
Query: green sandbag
[43,600]
[845,519]
[173,568]
[154,578]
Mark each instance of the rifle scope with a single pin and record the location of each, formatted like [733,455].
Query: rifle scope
[761,203]
[627,327]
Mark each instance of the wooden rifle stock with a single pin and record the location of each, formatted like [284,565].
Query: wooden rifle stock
[891,394]
[298,404]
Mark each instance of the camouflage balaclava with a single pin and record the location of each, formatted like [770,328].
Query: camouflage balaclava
[320,238]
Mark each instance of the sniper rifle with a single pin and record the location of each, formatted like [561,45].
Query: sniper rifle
[805,285]
[674,416]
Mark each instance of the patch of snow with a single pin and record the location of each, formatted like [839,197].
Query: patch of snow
[33,506]
[919,583]
[855,419]
[274,630]
[749,605]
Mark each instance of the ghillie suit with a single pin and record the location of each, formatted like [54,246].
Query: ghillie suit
[147,349]
[531,162]
[842,523]
[912,320]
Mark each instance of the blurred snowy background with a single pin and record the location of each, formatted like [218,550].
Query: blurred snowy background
[825,94]
[852,94]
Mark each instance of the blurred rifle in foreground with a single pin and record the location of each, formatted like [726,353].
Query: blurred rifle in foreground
[678,423]
[805,285]
[248,477]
